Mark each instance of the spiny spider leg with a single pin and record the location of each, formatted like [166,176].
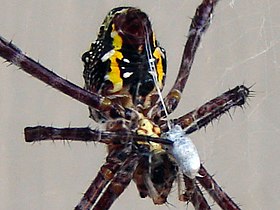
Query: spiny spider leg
[118,184]
[193,194]
[215,191]
[198,200]
[124,152]
[98,184]
[211,110]
[119,161]
[198,27]
[14,55]
[114,161]
[43,133]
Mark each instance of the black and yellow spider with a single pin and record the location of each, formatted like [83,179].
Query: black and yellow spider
[124,72]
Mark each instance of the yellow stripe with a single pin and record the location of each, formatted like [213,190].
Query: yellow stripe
[117,39]
[115,74]
[160,72]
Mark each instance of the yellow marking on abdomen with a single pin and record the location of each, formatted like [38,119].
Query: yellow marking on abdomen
[158,55]
[115,74]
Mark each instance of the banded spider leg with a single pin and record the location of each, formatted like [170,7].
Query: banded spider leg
[124,150]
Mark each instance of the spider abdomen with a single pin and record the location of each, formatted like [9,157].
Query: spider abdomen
[126,60]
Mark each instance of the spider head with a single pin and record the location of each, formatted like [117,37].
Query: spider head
[154,176]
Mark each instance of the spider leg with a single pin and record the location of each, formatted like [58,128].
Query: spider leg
[115,160]
[215,191]
[211,110]
[42,133]
[199,25]
[14,55]
[193,194]
[198,200]
[118,184]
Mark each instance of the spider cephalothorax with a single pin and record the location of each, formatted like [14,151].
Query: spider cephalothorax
[124,72]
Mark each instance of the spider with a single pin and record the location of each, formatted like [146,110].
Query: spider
[124,73]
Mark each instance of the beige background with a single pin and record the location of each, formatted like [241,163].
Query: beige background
[241,46]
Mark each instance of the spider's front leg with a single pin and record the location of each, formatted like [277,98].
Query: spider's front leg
[118,184]
[116,173]
[193,121]
[112,179]
[215,191]
[44,133]
[192,193]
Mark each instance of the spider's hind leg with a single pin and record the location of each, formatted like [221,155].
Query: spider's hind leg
[14,55]
[200,23]
[211,110]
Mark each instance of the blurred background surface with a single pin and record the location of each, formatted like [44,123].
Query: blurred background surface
[241,46]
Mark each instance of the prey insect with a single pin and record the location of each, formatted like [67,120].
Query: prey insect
[124,73]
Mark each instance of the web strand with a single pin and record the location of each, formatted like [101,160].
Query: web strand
[153,72]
